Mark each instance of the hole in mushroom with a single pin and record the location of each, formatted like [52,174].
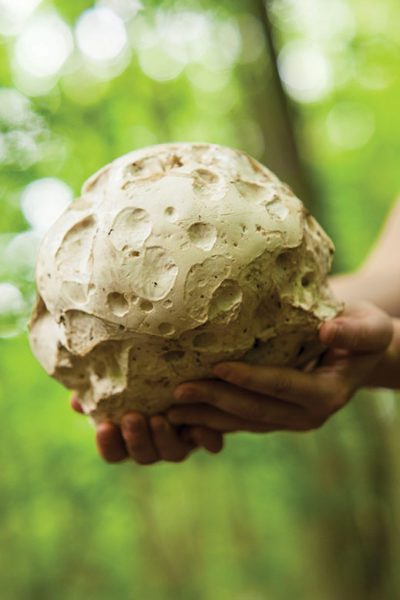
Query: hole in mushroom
[284,260]
[204,340]
[277,209]
[170,213]
[175,162]
[72,256]
[117,304]
[301,350]
[167,303]
[130,228]
[173,355]
[166,328]
[226,296]
[307,279]
[146,305]
[99,369]
[251,191]
[202,235]
[156,274]
[204,177]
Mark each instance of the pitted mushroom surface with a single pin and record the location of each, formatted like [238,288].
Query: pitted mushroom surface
[174,258]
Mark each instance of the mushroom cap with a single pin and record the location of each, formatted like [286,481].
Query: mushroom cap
[175,257]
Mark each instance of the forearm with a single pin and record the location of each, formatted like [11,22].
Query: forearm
[387,371]
[349,287]
[381,289]
[378,279]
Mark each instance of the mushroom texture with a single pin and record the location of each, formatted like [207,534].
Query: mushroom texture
[176,257]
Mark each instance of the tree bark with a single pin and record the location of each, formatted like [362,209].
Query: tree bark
[274,114]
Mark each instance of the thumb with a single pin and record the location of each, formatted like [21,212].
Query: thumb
[369,333]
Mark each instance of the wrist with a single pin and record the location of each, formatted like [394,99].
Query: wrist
[346,287]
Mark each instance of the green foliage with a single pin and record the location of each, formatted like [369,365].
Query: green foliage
[276,516]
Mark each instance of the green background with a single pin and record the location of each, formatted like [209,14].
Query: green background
[279,516]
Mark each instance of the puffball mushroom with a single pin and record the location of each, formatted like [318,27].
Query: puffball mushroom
[177,257]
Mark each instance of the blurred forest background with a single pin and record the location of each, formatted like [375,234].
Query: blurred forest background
[274,517]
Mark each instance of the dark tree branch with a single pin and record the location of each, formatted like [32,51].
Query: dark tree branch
[274,114]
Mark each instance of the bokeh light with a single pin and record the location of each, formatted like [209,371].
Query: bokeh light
[101,34]
[126,9]
[22,131]
[44,200]
[185,34]
[14,108]
[13,14]
[177,39]
[305,71]
[336,23]
[12,307]
[43,45]
[21,250]
[225,45]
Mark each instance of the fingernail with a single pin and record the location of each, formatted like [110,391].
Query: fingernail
[184,393]
[189,394]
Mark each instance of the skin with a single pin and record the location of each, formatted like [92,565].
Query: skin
[147,440]
[264,399]
[363,349]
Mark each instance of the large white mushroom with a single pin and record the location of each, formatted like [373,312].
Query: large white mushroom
[176,257]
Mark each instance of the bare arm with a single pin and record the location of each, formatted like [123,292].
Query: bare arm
[378,280]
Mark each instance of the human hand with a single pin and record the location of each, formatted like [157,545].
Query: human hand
[147,440]
[263,399]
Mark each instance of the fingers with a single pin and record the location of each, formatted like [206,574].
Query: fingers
[167,442]
[138,439]
[240,402]
[203,437]
[76,406]
[286,384]
[212,441]
[212,418]
[290,385]
[110,443]
[148,440]
[367,330]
